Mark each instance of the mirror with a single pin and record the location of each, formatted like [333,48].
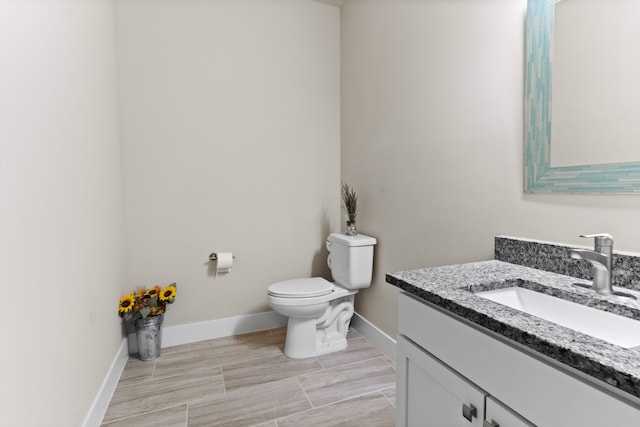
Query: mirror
[594,85]
[594,127]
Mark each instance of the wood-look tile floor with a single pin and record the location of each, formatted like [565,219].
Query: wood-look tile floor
[246,380]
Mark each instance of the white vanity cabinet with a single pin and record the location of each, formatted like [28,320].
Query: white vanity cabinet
[446,364]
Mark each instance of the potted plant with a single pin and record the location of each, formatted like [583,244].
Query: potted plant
[146,307]
[350,202]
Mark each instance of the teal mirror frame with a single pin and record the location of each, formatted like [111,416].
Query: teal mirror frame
[539,176]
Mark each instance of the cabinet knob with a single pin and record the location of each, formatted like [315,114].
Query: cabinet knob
[493,423]
[469,412]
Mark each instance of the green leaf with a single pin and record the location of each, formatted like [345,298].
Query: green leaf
[144,312]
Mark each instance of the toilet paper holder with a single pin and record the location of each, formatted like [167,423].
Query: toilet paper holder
[214,256]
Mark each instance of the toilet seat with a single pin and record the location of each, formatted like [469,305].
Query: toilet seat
[301,288]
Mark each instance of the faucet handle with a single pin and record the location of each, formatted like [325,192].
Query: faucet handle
[601,239]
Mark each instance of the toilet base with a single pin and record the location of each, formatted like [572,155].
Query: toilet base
[327,334]
[300,342]
[337,345]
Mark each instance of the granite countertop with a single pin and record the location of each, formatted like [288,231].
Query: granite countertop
[451,288]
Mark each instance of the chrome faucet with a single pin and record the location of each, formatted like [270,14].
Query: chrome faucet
[601,259]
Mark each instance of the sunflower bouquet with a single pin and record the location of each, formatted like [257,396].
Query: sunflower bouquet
[143,303]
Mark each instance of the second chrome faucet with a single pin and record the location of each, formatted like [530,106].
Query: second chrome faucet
[601,258]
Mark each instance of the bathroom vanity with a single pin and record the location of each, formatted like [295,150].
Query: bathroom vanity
[463,359]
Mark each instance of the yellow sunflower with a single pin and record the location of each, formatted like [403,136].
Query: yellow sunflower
[153,292]
[126,303]
[168,293]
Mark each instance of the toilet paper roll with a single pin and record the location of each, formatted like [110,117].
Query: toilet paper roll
[224,262]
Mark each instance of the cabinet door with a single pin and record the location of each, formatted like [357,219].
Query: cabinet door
[499,415]
[431,395]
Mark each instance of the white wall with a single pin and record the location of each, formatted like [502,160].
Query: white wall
[230,113]
[61,245]
[432,138]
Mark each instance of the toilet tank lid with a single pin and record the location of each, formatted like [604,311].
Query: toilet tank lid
[357,240]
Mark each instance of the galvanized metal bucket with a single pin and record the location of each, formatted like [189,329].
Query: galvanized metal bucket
[149,333]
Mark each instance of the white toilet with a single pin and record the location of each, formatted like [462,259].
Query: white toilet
[320,311]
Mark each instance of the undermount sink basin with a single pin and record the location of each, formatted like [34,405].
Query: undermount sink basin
[619,330]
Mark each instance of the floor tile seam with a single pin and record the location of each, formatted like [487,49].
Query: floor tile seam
[255,353]
[321,364]
[224,384]
[120,380]
[203,374]
[387,397]
[387,388]
[138,414]
[363,393]
[316,371]
[125,387]
[390,362]
[228,394]
[200,400]
[199,352]
[171,391]
[313,408]
[210,399]
[186,416]
[375,389]
[313,370]
[249,359]
[348,364]
[153,371]
[304,392]
[356,361]
[122,384]
[157,379]
[219,365]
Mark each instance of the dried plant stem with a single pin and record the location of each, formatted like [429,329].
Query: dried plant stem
[350,201]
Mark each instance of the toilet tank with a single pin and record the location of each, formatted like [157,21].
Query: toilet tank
[351,259]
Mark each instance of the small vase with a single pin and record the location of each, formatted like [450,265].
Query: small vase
[350,230]
[149,333]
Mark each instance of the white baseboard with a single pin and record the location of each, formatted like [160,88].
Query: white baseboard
[105,393]
[210,329]
[381,340]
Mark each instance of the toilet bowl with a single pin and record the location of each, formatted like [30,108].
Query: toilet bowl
[319,311]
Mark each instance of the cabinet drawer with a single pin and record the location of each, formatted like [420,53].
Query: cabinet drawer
[432,395]
[498,415]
